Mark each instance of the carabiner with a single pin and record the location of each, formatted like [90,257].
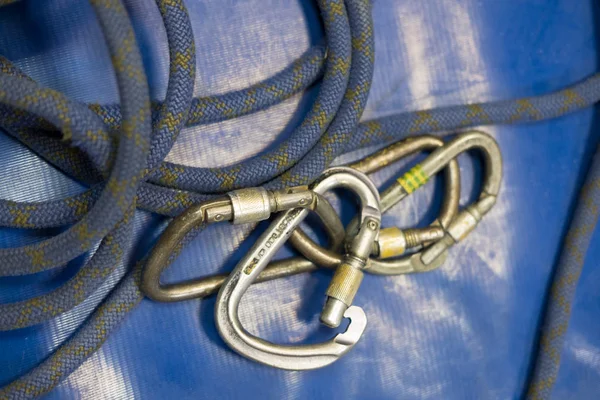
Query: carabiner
[468,218]
[340,293]
[393,241]
[245,205]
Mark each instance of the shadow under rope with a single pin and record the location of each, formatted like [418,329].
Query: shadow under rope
[28,21]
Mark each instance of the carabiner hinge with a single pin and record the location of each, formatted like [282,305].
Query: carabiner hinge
[257,204]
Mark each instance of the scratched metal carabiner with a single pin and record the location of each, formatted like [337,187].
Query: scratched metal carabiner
[241,206]
[339,295]
[468,218]
[394,241]
[456,230]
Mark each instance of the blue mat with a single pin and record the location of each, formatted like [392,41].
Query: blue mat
[466,330]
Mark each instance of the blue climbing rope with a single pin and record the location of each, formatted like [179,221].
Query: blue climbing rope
[131,173]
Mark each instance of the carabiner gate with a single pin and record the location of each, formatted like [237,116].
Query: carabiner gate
[340,293]
[467,219]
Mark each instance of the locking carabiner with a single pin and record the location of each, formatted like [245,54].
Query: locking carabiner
[467,219]
[394,241]
[340,293]
[244,205]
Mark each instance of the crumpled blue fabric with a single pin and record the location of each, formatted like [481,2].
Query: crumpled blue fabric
[466,330]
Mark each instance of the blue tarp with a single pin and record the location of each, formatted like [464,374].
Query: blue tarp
[466,330]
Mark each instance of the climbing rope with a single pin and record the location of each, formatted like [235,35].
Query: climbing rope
[564,284]
[119,151]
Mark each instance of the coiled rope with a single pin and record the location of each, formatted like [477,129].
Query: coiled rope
[119,151]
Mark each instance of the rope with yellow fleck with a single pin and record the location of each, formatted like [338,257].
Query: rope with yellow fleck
[131,172]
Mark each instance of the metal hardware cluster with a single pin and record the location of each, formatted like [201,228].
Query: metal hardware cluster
[363,246]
